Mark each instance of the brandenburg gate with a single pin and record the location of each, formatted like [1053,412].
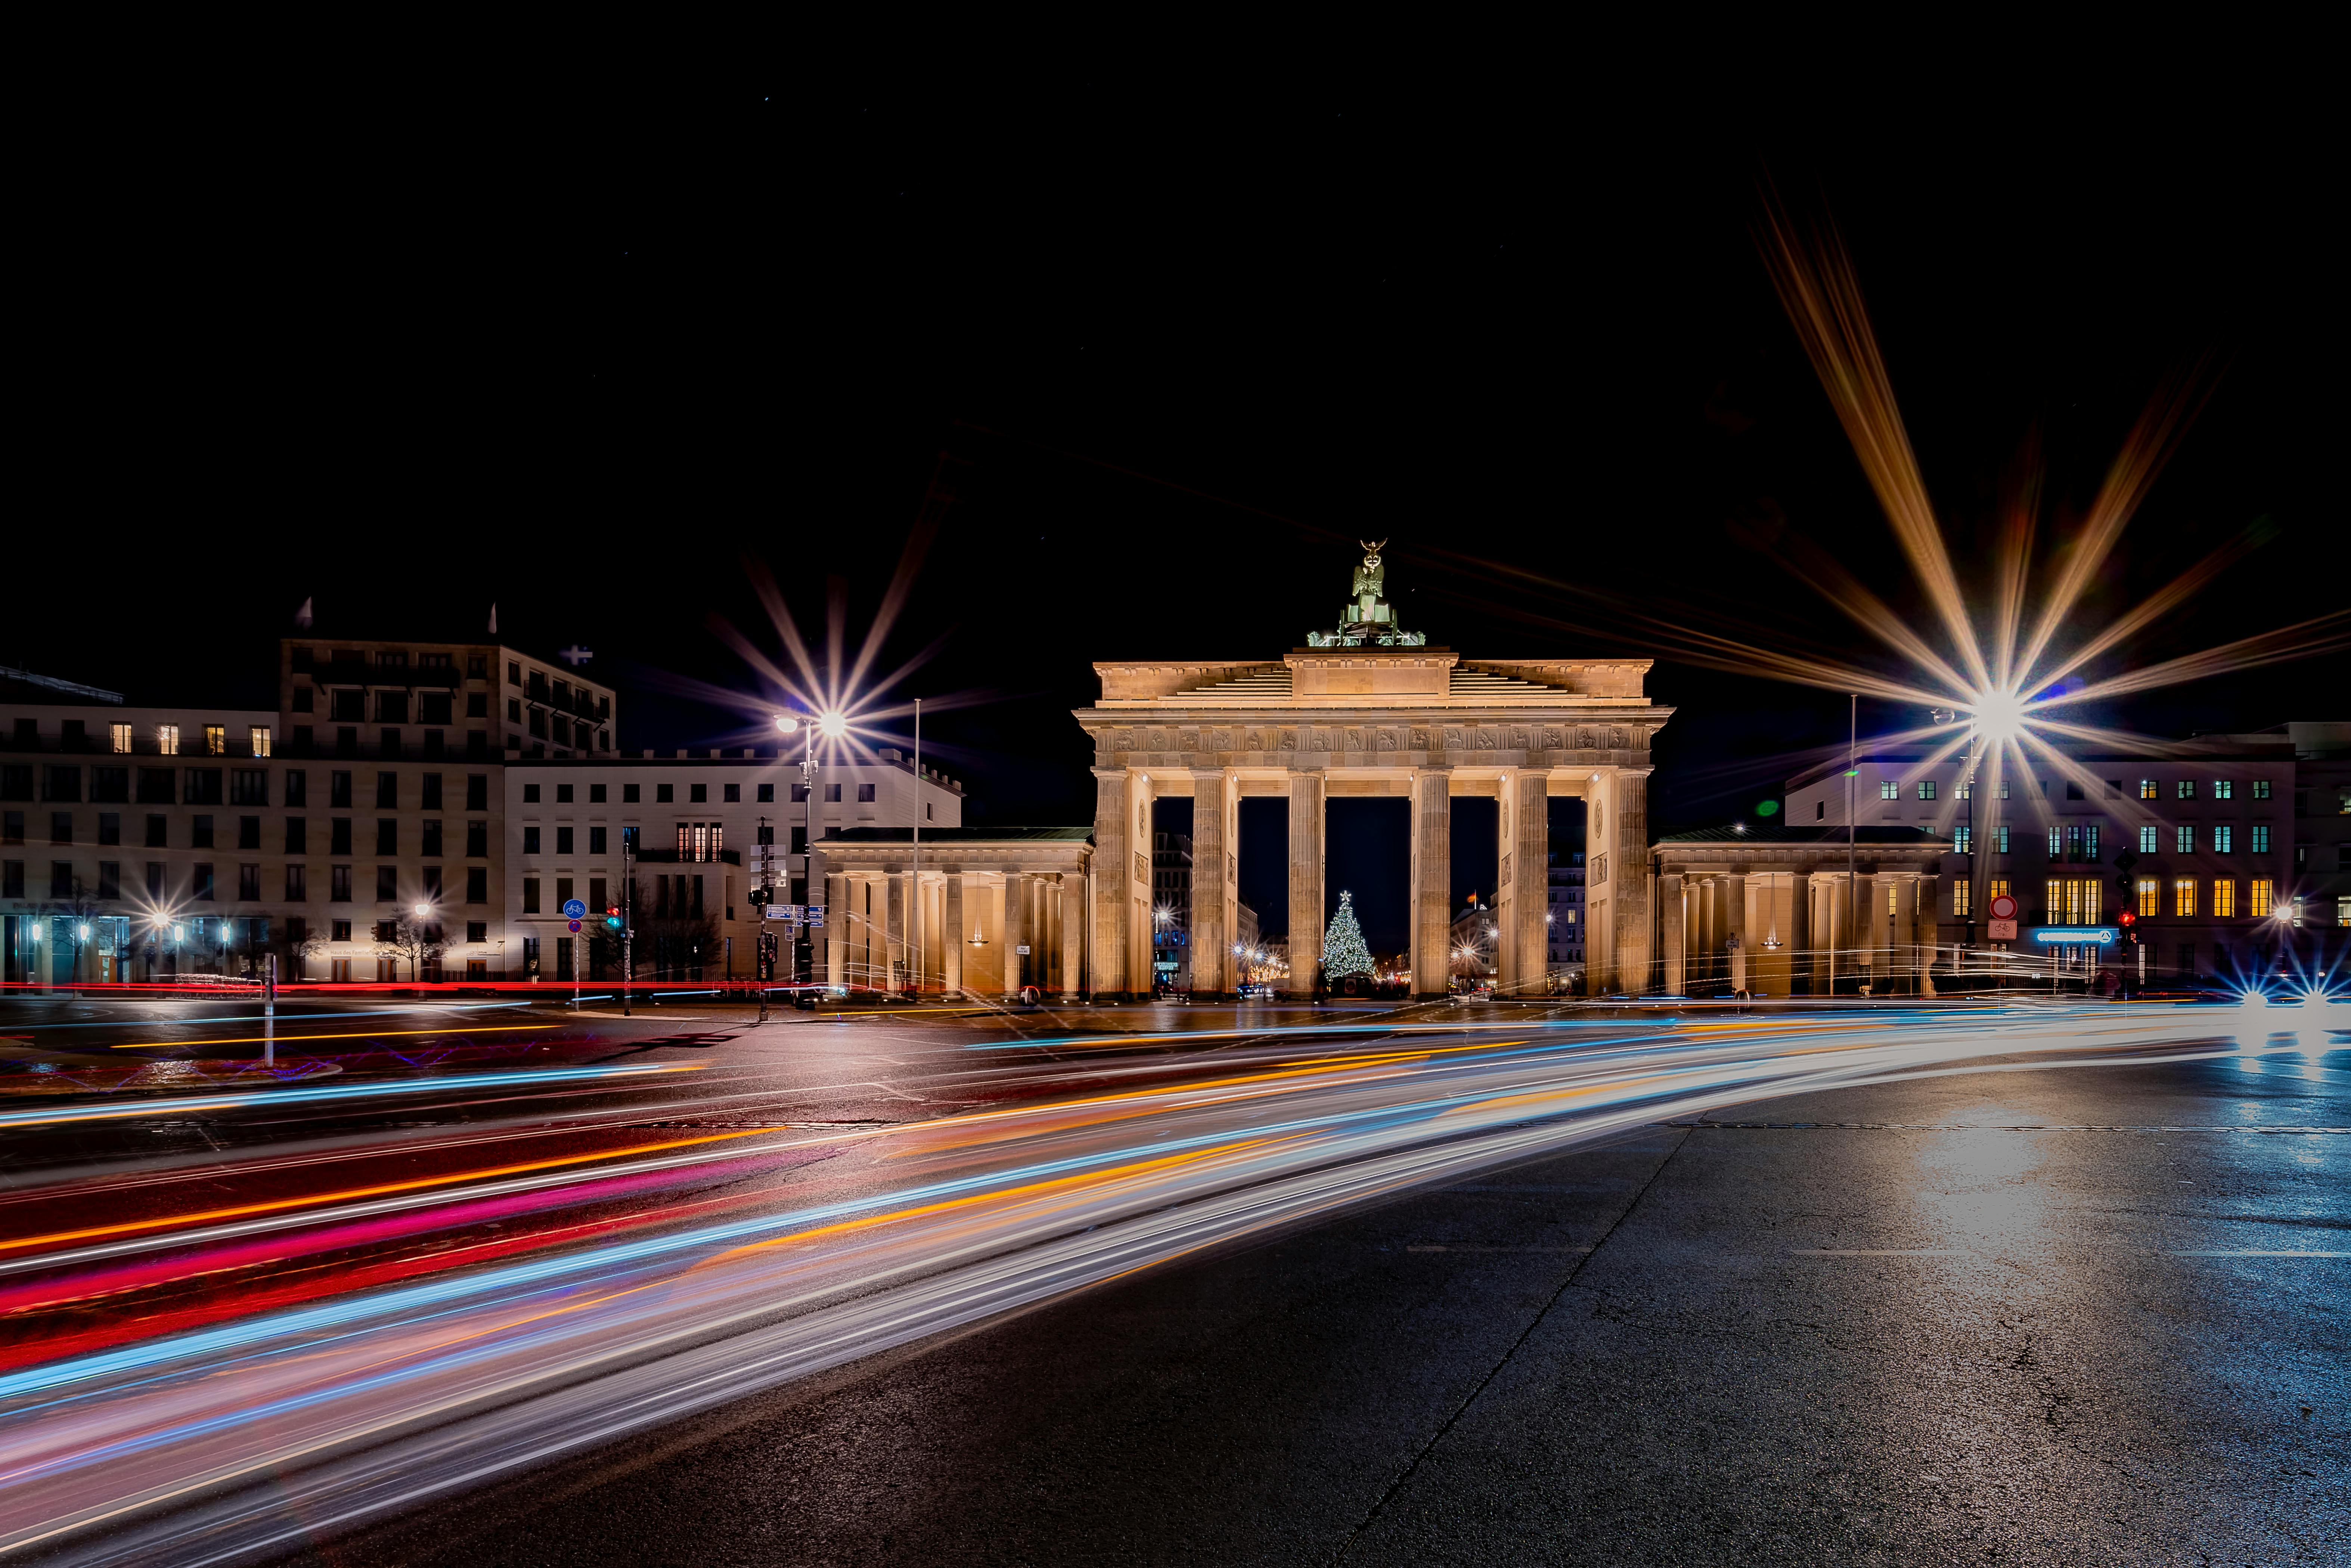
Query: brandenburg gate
[1368,709]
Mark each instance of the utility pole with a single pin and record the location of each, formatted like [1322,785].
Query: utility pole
[628,918]
[914,892]
[808,799]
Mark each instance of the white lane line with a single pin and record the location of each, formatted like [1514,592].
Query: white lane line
[1455,1248]
[2254,1252]
[1880,1252]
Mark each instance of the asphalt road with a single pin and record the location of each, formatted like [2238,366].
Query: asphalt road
[2086,1316]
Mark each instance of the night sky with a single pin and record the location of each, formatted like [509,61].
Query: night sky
[1180,356]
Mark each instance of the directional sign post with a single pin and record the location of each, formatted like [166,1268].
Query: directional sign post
[2003,919]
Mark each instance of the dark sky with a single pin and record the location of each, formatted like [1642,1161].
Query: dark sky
[580,361]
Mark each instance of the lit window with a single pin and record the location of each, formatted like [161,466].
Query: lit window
[2003,789]
[2343,909]
[2261,789]
[1963,841]
[2146,788]
[167,739]
[2056,843]
[2090,841]
[257,736]
[1996,888]
[1925,788]
[2146,839]
[215,740]
[1961,891]
[121,734]
[2188,789]
[2150,896]
[1964,790]
[2260,844]
[2183,896]
[2224,898]
[1889,791]
[2002,830]
[2184,838]
[2224,837]
[2224,790]
[2261,894]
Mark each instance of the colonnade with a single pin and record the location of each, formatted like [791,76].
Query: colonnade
[1763,930]
[959,927]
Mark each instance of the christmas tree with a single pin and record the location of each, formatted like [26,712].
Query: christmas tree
[1343,952]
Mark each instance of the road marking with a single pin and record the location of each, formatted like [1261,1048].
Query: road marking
[1880,1252]
[1455,1248]
[2256,1252]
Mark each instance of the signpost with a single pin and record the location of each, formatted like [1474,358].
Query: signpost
[2003,919]
[573,911]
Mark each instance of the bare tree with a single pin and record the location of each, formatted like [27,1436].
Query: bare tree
[419,941]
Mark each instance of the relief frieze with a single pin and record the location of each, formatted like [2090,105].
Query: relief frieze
[1456,738]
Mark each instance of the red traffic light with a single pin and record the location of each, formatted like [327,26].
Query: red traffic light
[2129,917]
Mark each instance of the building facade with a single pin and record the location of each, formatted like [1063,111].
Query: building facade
[1567,912]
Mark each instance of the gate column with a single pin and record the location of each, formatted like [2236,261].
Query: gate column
[1305,881]
[1432,881]
[1210,939]
[1109,978]
[1532,849]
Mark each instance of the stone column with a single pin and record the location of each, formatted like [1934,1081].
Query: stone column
[953,934]
[1532,849]
[1506,887]
[1674,907]
[1073,927]
[1111,851]
[1305,881]
[836,930]
[902,972]
[1799,934]
[1210,939]
[1016,927]
[1628,836]
[1739,960]
[1432,882]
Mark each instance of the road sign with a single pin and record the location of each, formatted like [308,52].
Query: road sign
[1022,949]
[2075,935]
[2003,907]
[573,910]
[574,925]
[2002,931]
[816,915]
[783,912]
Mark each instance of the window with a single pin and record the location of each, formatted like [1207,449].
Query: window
[432,885]
[1887,789]
[926,810]
[630,794]
[1962,842]
[514,710]
[477,791]
[118,735]
[387,835]
[477,840]
[1965,790]
[258,740]
[203,786]
[2147,839]
[2223,840]
[2261,789]
[530,840]
[434,708]
[2224,898]
[12,827]
[477,931]
[339,836]
[2002,831]
[514,673]
[2224,788]
[61,880]
[60,827]
[563,841]
[698,794]
[478,705]
[1961,892]
[865,791]
[2149,894]
[767,794]
[2077,901]
[298,886]
[595,840]
[2188,789]
[248,787]
[167,740]
[531,795]
[109,826]
[2146,789]
[203,881]
[156,830]
[110,879]
[596,899]
[562,892]
[215,740]
[338,884]
[767,833]
[2261,896]
[200,833]
[297,786]
[564,794]
[800,842]
[12,879]
[2260,844]
[387,885]
[733,792]
[2184,839]
[62,783]
[2056,843]
[339,789]
[531,895]
[109,784]
[431,801]
[2183,896]
[833,793]
[2005,787]
[596,794]
[664,793]
[249,832]
[431,847]
[2343,909]
[249,884]
[800,793]
[297,835]
[477,884]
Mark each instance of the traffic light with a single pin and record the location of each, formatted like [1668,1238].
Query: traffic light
[759,896]
[612,917]
[2129,917]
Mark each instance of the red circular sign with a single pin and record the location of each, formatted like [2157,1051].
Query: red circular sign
[2003,908]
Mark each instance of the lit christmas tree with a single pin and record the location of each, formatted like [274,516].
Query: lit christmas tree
[1343,952]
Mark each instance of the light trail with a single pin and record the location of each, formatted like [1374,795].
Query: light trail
[178,1106]
[249,1429]
[354,1034]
